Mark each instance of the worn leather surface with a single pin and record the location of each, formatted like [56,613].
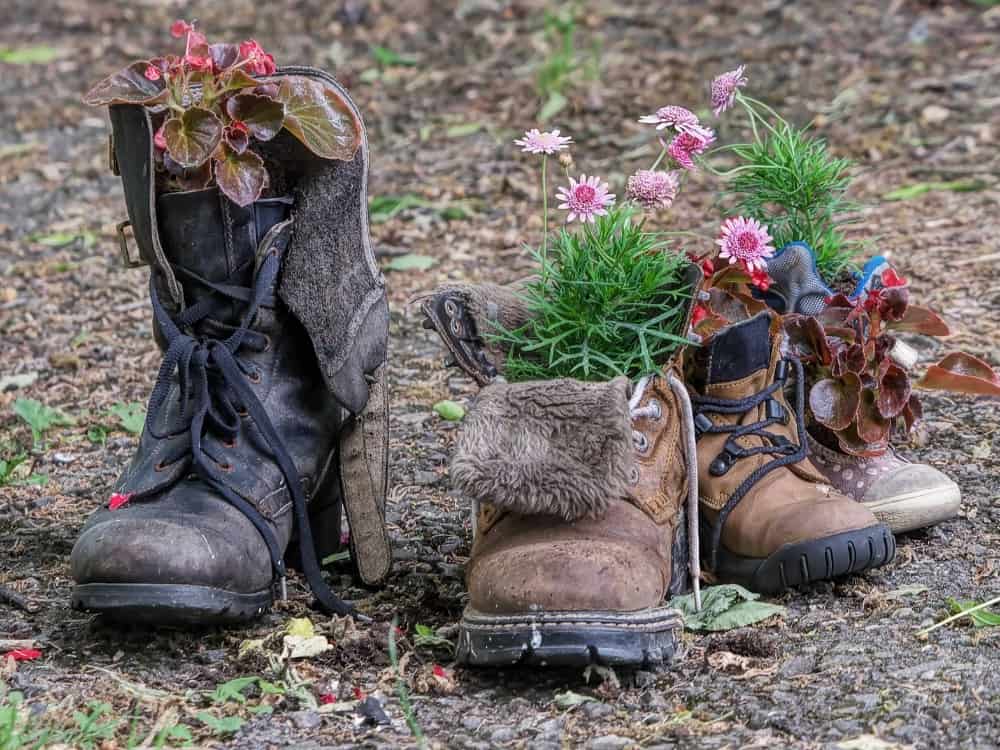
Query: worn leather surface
[176,529]
[620,563]
[788,505]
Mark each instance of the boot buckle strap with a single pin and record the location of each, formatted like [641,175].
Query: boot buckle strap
[123,245]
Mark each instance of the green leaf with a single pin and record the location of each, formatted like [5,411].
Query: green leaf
[225,725]
[7,467]
[920,188]
[232,690]
[463,129]
[131,416]
[262,115]
[128,86]
[411,262]
[555,104]
[98,435]
[724,608]
[242,177]
[39,417]
[192,137]
[61,239]
[569,699]
[33,55]
[982,618]
[320,118]
[387,57]
[449,410]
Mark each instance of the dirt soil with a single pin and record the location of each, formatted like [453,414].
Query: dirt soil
[907,88]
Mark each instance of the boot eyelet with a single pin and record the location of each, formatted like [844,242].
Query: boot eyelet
[451,308]
[640,440]
[267,344]
[254,377]
[633,475]
[456,326]
[657,409]
[226,467]
[230,444]
[242,413]
[160,466]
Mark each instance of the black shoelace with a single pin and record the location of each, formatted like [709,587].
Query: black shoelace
[786,452]
[215,396]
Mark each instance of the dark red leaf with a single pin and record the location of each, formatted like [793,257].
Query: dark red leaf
[326,699]
[872,427]
[128,86]
[223,55]
[892,302]
[263,116]
[893,391]
[851,444]
[807,339]
[921,320]
[192,137]
[241,177]
[834,403]
[320,118]
[913,412]
[959,372]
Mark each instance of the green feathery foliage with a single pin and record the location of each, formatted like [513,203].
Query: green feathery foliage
[611,300]
[789,181]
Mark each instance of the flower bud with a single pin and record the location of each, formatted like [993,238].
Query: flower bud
[566,159]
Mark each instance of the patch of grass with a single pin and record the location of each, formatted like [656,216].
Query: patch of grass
[384,207]
[610,300]
[424,636]
[564,66]
[19,729]
[7,468]
[789,181]
[40,418]
[131,416]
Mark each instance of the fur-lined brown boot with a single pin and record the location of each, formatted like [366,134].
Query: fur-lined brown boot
[769,519]
[581,488]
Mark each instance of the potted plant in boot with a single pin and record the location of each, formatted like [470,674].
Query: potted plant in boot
[588,459]
[245,190]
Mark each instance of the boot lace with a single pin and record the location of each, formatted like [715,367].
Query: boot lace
[215,395]
[785,451]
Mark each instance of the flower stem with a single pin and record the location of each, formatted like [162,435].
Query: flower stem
[545,216]
[663,153]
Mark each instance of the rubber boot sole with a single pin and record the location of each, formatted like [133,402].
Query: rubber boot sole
[919,509]
[806,562]
[170,604]
[569,639]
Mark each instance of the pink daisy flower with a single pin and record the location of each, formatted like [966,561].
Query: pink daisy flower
[536,142]
[586,199]
[745,241]
[685,146]
[653,190]
[671,116]
[724,89]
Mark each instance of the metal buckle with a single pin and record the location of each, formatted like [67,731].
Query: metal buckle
[112,159]
[123,245]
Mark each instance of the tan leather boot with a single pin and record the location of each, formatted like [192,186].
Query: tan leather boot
[769,520]
[581,488]
[581,529]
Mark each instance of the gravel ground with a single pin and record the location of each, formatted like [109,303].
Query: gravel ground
[907,88]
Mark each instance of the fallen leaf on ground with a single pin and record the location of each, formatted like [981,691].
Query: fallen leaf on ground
[724,608]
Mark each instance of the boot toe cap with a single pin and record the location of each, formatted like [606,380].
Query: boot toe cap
[591,576]
[141,545]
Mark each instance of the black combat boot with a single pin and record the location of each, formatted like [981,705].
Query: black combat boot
[269,412]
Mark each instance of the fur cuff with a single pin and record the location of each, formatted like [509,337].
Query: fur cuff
[555,447]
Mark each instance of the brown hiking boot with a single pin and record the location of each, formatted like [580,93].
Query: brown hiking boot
[580,490]
[768,519]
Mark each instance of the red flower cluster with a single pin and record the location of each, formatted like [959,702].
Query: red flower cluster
[889,297]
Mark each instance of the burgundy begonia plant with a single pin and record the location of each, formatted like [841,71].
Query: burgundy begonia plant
[860,387]
[210,104]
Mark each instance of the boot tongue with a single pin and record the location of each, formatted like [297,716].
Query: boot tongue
[206,234]
[740,350]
